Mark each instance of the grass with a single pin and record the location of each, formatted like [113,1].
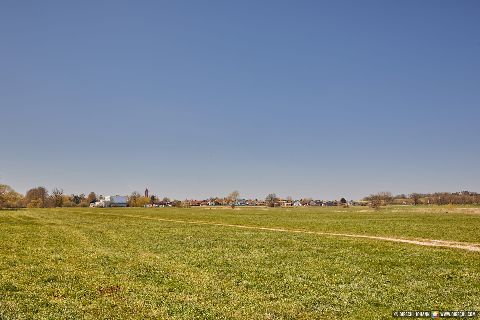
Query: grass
[125,263]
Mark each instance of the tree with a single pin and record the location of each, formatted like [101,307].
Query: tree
[176,203]
[271,200]
[57,197]
[343,201]
[233,198]
[185,204]
[386,197]
[415,198]
[132,199]
[142,202]
[378,199]
[36,203]
[9,198]
[77,198]
[92,197]
[36,198]
[306,201]
[4,190]
[136,200]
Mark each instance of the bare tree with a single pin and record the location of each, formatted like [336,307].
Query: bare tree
[306,201]
[415,198]
[378,199]
[233,198]
[77,198]
[57,197]
[185,204]
[271,200]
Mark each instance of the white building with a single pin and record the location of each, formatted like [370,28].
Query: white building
[111,201]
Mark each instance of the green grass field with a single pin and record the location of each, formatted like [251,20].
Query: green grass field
[133,263]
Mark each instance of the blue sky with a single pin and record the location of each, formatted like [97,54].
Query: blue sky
[321,99]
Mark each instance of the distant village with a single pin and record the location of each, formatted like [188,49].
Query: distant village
[40,197]
[122,201]
[233,200]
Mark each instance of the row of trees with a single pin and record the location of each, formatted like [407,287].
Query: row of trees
[439,198]
[273,201]
[40,198]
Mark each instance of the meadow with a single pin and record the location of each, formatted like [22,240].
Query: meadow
[243,263]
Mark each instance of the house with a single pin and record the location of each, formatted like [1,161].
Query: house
[241,202]
[297,203]
[261,203]
[194,203]
[285,203]
[164,203]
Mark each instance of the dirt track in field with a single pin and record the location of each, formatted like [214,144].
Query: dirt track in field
[419,242]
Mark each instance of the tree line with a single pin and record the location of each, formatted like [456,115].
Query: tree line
[438,198]
[39,197]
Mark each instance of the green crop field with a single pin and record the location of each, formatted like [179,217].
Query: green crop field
[246,263]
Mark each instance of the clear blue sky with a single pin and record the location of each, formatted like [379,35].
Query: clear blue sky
[198,98]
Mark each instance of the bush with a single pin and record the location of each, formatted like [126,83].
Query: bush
[69,204]
[35,203]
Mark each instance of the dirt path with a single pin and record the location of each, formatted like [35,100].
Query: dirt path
[423,242]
